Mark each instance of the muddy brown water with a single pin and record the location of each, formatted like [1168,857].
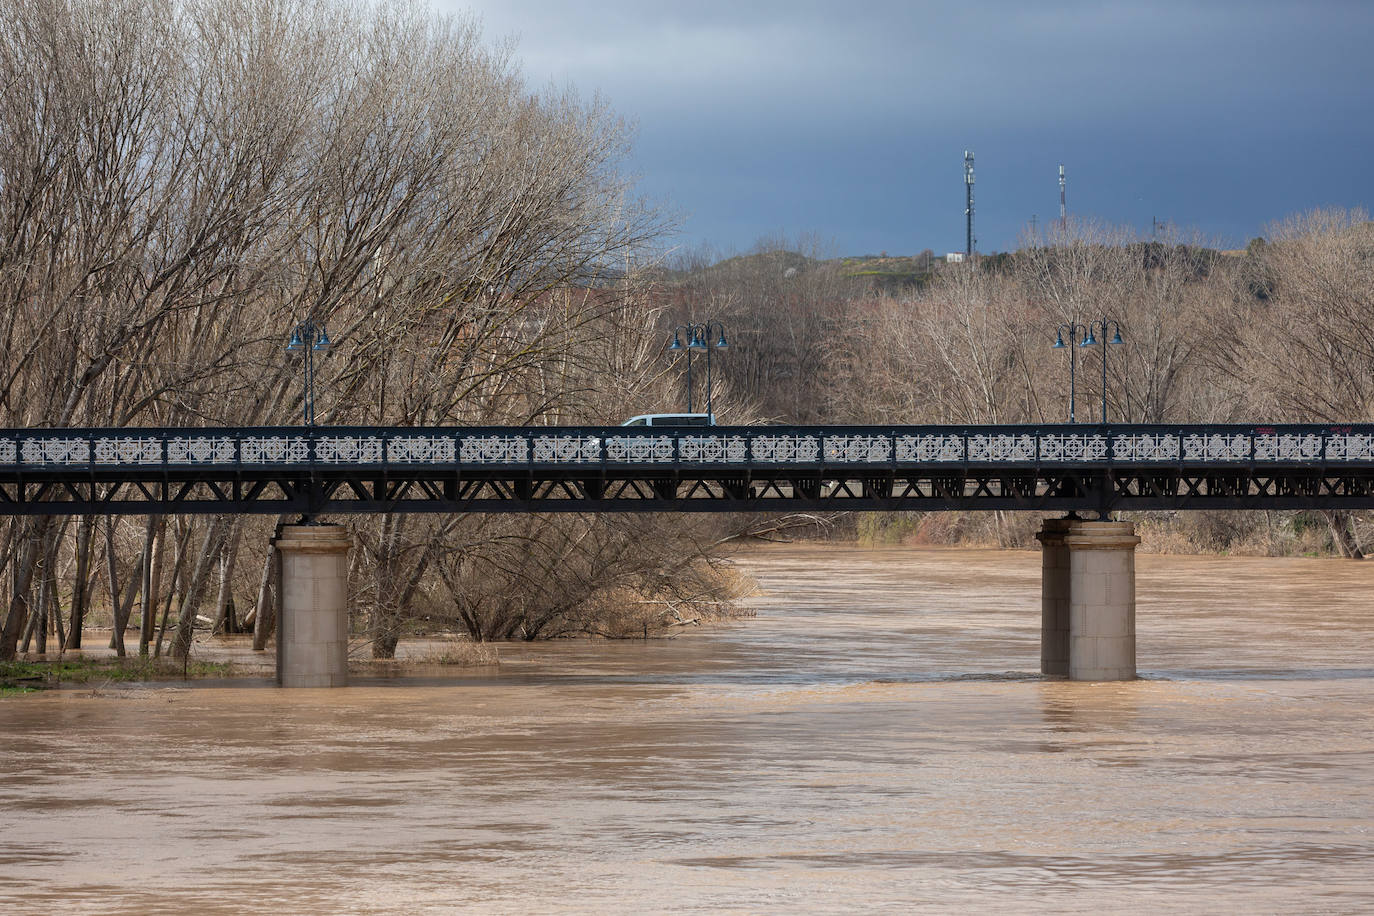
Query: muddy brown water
[876,739]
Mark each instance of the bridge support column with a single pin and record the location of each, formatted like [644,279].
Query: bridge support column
[1101,600]
[312,622]
[1054,596]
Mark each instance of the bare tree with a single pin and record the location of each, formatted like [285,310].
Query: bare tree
[183,180]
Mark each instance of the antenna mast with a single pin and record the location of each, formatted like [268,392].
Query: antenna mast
[968,209]
[1063,212]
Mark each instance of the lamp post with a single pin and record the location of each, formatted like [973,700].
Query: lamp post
[710,336]
[676,347]
[308,338]
[1073,330]
[699,337]
[1104,325]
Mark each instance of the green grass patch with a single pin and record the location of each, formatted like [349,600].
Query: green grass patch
[24,676]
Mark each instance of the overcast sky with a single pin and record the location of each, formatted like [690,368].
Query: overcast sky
[850,120]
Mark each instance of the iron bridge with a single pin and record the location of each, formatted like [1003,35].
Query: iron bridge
[334,470]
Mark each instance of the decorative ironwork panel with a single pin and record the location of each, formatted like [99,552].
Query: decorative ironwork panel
[867,449]
[1145,447]
[1072,447]
[1216,447]
[570,449]
[930,448]
[1001,448]
[708,449]
[421,449]
[494,449]
[639,448]
[349,449]
[782,449]
[56,451]
[200,450]
[1350,447]
[1287,447]
[128,450]
[8,451]
[274,450]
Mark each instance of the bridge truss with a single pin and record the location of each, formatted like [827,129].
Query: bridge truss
[335,470]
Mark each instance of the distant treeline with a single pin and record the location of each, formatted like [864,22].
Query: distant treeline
[1281,331]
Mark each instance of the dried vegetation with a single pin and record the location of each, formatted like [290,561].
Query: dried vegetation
[1282,331]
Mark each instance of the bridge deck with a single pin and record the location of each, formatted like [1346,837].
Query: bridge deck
[325,470]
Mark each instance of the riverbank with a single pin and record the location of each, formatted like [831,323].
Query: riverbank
[1212,533]
[227,658]
[41,672]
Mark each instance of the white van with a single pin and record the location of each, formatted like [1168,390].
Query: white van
[672,419]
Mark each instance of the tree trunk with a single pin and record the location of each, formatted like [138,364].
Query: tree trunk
[55,608]
[178,582]
[81,588]
[190,602]
[383,623]
[45,624]
[21,581]
[153,546]
[224,601]
[121,599]
[112,572]
[264,616]
[1339,521]
[14,622]
[38,623]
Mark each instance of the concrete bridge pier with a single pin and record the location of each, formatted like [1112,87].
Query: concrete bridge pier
[1054,596]
[1088,600]
[312,620]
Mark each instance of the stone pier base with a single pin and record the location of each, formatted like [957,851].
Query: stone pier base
[312,621]
[1088,600]
[1054,597]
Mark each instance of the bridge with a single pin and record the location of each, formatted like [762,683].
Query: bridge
[342,470]
[1088,567]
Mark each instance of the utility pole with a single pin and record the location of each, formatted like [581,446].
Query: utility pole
[1063,211]
[968,208]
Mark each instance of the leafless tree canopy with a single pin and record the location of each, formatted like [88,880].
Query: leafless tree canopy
[181,181]
[1282,331]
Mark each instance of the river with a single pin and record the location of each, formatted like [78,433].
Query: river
[875,739]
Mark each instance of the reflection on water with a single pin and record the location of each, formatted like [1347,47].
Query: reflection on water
[877,738]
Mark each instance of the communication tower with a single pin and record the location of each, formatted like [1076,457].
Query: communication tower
[1063,212]
[968,209]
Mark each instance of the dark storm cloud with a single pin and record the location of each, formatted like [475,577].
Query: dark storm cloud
[851,120]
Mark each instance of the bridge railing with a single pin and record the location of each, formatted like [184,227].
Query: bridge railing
[757,446]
